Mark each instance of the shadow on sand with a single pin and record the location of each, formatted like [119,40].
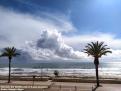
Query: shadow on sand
[94,89]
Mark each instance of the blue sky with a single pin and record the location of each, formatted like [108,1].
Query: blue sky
[65,26]
[86,15]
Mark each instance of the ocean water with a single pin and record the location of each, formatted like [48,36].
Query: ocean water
[79,69]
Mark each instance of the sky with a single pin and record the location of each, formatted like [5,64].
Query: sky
[59,29]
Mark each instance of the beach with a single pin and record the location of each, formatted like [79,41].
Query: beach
[64,84]
[74,76]
[60,45]
[57,86]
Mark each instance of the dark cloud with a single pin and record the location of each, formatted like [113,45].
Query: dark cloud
[48,41]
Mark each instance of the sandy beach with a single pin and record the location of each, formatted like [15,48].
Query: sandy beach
[60,45]
[50,85]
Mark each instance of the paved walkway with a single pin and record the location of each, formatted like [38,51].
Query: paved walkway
[63,86]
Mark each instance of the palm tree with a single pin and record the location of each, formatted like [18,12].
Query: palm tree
[9,52]
[96,50]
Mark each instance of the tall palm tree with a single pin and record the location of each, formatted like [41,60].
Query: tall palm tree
[9,52]
[96,50]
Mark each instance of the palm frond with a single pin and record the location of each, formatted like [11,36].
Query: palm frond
[97,49]
[9,52]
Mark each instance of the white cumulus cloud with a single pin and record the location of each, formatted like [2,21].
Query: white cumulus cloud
[16,28]
[79,42]
[44,34]
[51,45]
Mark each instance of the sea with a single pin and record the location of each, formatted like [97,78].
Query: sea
[78,69]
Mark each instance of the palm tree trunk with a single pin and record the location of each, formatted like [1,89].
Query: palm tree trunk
[96,62]
[9,76]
